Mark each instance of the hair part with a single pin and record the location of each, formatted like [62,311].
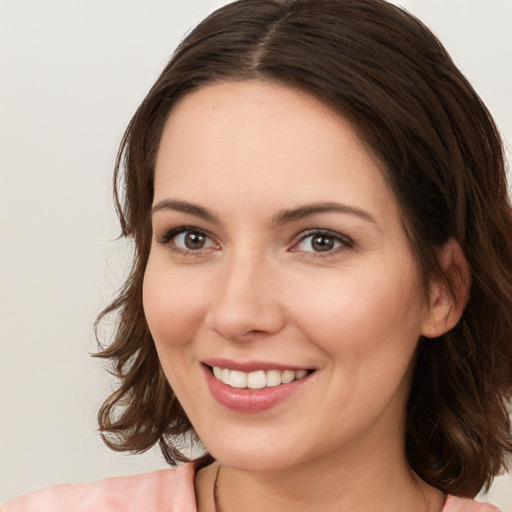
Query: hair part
[384,71]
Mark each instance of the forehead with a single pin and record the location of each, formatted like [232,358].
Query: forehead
[241,140]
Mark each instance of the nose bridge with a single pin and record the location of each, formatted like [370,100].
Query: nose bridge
[245,301]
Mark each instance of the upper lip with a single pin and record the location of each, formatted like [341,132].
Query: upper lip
[250,366]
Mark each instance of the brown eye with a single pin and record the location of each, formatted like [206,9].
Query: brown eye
[188,239]
[194,240]
[322,243]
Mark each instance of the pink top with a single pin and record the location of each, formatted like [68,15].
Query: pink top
[167,490]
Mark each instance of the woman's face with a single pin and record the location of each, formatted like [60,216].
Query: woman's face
[279,255]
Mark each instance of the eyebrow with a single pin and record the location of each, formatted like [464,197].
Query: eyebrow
[291,215]
[282,217]
[185,207]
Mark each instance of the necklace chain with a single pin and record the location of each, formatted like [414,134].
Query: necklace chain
[216,491]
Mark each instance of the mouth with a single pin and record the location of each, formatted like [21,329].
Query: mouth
[258,379]
[254,386]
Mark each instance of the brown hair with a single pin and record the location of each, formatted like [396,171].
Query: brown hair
[383,70]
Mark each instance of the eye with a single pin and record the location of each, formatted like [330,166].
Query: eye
[322,241]
[192,240]
[187,239]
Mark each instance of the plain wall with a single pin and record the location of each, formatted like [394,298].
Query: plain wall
[72,73]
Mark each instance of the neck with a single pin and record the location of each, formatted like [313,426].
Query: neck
[387,484]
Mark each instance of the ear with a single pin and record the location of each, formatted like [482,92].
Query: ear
[447,297]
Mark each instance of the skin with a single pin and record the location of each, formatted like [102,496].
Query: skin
[260,290]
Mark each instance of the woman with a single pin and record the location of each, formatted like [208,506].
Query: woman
[322,284]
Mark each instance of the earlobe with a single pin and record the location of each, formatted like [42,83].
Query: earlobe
[449,293]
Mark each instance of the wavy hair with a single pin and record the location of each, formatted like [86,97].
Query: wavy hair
[385,72]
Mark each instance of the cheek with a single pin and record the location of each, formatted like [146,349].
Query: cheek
[173,305]
[363,315]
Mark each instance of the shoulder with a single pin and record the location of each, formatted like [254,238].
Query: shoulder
[164,490]
[454,504]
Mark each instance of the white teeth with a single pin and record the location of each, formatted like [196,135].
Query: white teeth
[287,376]
[237,379]
[273,378]
[301,373]
[258,379]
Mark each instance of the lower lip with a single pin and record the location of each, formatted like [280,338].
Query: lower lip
[251,400]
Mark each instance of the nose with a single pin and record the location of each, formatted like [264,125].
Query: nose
[246,301]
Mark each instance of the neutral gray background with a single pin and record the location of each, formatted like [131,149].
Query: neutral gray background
[71,74]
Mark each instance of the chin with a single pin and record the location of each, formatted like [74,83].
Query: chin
[244,454]
[255,462]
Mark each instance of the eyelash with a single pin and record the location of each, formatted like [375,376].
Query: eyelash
[343,241]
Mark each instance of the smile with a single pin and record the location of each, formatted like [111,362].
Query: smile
[253,387]
[258,379]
